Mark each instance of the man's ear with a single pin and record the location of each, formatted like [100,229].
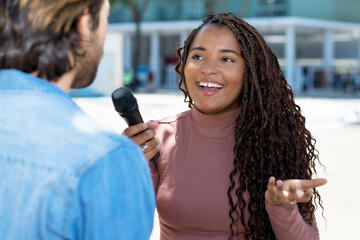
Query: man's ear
[84,24]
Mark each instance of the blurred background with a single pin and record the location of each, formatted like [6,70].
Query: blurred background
[317,42]
[318,47]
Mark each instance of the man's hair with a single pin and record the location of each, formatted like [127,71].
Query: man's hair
[40,35]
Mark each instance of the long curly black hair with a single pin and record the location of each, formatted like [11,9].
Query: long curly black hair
[270,134]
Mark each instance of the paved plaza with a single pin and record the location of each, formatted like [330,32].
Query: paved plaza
[335,123]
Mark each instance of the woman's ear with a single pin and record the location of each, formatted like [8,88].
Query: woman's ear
[84,24]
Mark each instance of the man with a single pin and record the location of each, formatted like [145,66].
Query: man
[62,175]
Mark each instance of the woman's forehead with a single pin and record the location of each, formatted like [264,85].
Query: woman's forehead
[218,35]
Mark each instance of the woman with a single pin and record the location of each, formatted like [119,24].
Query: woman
[239,163]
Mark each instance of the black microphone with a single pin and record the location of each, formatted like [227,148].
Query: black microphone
[126,105]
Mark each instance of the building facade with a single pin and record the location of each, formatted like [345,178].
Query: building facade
[178,10]
[317,42]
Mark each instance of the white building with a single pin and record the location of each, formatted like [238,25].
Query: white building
[322,46]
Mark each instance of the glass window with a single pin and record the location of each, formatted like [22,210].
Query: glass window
[269,8]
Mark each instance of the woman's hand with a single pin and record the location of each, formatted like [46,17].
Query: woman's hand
[288,192]
[143,134]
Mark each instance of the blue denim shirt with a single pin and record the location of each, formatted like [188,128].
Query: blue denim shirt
[62,175]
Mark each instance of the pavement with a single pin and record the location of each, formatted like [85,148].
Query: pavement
[334,122]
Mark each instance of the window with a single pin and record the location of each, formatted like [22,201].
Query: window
[193,9]
[270,8]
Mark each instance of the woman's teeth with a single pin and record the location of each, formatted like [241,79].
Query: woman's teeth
[210,85]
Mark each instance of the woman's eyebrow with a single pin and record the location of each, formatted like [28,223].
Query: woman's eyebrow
[222,50]
[198,48]
[230,51]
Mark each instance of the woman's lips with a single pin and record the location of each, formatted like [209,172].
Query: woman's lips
[209,88]
[210,85]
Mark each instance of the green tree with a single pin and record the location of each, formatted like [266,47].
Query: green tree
[211,5]
[244,8]
[138,9]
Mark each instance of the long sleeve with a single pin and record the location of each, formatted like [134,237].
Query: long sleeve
[287,223]
[116,198]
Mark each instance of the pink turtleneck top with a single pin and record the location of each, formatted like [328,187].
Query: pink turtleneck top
[192,178]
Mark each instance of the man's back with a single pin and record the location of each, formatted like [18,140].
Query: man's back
[62,175]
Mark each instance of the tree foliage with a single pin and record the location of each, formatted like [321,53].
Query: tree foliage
[137,7]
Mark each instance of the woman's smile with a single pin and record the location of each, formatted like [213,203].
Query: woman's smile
[210,88]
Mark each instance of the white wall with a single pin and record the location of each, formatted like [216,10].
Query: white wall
[110,72]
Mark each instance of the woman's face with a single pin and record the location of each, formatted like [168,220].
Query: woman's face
[214,70]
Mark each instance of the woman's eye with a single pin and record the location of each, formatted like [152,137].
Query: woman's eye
[196,57]
[226,59]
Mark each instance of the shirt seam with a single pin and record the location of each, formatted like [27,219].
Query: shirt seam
[79,176]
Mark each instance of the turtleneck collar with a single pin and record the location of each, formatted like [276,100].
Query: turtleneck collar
[220,126]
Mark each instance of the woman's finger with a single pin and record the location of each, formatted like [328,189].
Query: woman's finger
[149,145]
[151,152]
[313,183]
[271,185]
[135,129]
[152,124]
[142,137]
[271,191]
[292,196]
[279,190]
[306,196]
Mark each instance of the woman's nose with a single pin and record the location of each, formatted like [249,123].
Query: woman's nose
[210,67]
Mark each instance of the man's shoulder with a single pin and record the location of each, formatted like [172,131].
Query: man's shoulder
[120,153]
[86,141]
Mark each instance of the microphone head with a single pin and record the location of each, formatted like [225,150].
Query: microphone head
[124,101]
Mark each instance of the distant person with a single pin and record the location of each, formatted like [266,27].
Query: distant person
[63,176]
[305,75]
[127,77]
[240,163]
[150,82]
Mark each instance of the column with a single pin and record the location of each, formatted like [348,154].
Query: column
[183,37]
[110,72]
[290,57]
[328,55]
[155,58]
[358,52]
[128,52]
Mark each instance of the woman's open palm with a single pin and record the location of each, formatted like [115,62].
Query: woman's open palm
[291,191]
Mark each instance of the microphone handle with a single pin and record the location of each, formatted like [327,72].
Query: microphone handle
[153,159]
[132,117]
